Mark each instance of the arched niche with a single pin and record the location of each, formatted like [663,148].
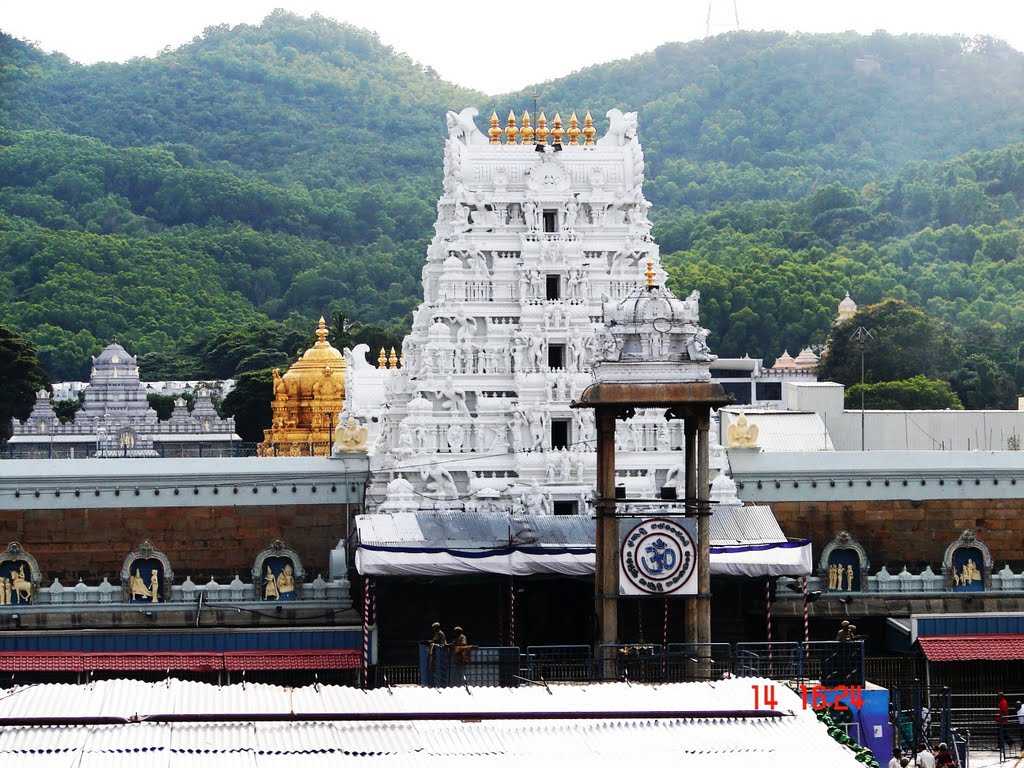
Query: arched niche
[844,564]
[146,575]
[277,573]
[19,576]
[967,564]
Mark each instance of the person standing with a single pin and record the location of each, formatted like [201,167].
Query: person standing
[1020,723]
[897,755]
[1003,721]
[924,757]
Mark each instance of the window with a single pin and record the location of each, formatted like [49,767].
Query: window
[740,390]
[769,390]
[550,221]
[554,287]
[668,493]
[565,507]
[620,491]
[556,356]
[559,434]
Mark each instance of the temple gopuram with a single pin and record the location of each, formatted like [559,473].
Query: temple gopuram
[307,402]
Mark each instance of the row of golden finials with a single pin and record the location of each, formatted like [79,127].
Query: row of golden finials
[387,361]
[527,135]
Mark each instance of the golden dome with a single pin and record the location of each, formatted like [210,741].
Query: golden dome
[310,367]
[307,402]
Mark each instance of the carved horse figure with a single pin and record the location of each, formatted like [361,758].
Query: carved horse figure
[20,585]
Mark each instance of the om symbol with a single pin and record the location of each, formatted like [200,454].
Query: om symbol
[658,557]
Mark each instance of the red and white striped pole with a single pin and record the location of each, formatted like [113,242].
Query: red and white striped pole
[807,623]
[367,588]
[512,611]
[768,608]
[664,642]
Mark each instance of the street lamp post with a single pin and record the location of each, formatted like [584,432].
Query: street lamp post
[861,337]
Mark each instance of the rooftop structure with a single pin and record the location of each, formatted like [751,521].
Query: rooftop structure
[307,402]
[703,724]
[116,420]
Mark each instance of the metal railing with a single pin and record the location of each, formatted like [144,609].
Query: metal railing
[831,663]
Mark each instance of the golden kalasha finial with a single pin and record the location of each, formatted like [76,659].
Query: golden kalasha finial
[574,129]
[542,129]
[649,274]
[526,130]
[510,128]
[556,130]
[393,359]
[382,359]
[321,332]
[589,131]
[494,132]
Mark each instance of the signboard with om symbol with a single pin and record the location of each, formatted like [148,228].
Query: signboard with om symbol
[658,556]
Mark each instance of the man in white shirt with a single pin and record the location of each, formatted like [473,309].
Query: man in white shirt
[895,761]
[924,758]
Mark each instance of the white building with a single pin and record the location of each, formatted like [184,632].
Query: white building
[531,239]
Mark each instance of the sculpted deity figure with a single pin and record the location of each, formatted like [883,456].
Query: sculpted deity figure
[350,436]
[741,434]
[572,211]
[535,501]
[697,348]
[270,591]
[530,216]
[516,430]
[538,431]
[452,399]
[439,482]
[286,580]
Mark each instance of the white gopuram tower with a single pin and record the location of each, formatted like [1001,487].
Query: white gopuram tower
[537,228]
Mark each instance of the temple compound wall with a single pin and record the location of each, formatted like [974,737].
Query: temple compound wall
[210,518]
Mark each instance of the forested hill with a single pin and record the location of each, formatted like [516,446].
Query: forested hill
[262,175]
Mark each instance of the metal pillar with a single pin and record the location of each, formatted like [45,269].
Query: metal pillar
[607,533]
[690,457]
[702,605]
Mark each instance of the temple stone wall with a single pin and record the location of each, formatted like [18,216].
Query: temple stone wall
[199,540]
[894,532]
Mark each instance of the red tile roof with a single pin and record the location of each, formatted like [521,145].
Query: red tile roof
[197,661]
[973,647]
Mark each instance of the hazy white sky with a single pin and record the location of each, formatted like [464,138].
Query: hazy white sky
[494,45]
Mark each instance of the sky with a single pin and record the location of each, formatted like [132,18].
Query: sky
[491,45]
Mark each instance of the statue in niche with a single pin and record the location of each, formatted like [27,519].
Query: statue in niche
[538,431]
[532,216]
[405,447]
[577,285]
[270,586]
[138,590]
[572,210]
[460,218]
[279,579]
[456,437]
[350,436]
[516,429]
[452,399]
[477,262]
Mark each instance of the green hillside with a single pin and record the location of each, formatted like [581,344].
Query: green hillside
[262,175]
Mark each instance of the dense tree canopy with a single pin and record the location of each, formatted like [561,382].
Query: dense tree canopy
[21,376]
[915,392]
[207,205]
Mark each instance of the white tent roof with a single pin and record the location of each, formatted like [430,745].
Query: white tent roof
[793,740]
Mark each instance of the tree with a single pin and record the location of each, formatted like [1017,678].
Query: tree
[249,402]
[917,392]
[162,404]
[980,383]
[21,376]
[906,343]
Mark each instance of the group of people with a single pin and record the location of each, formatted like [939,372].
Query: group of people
[924,758]
[459,646]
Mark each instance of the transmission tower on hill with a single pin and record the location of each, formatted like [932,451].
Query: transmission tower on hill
[708,26]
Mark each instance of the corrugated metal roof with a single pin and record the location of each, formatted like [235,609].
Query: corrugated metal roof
[796,740]
[753,524]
